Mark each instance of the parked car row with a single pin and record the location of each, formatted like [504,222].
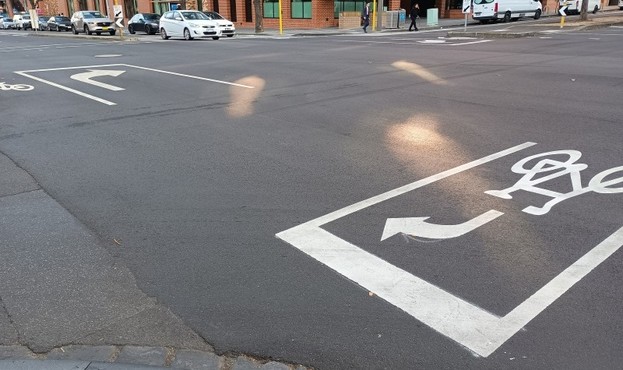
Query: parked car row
[191,24]
[188,24]
[54,23]
[18,22]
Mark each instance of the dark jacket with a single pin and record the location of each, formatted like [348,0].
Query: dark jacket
[414,12]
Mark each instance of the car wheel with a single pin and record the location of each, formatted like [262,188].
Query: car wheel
[86,30]
[98,33]
[74,30]
[537,14]
[131,30]
[148,30]
[187,35]
[507,17]
[596,9]
[215,37]
[230,35]
[58,29]
[163,34]
[112,33]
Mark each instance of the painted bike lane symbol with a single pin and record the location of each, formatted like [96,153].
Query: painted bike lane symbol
[534,180]
[550,169]
[17,87]
[475,328]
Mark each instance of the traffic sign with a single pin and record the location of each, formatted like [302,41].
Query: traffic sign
[562,9]
[467,4]
[118,10]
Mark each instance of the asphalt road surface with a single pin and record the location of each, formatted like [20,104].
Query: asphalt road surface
[394,201]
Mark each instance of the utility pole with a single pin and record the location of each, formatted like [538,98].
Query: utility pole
[584,10]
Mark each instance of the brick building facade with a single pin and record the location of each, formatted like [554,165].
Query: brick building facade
[301,14]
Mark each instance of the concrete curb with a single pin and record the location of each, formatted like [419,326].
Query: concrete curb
[492,35]
[519,34]
[81,36]
[133,357]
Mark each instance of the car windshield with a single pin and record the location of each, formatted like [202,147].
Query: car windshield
[93,15]
[26,17]
[43,18]
[480,2]
[63,19]
[214,15]
[194,15]
[151,17]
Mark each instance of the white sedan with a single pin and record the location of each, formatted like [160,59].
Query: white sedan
[188,24]
[6,23]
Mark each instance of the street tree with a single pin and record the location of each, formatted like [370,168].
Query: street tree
[584,10]
[259,16]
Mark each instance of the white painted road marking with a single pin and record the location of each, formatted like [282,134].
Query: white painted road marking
[469,325]
[417,226]
[104,101]
[549,169]
[86,77]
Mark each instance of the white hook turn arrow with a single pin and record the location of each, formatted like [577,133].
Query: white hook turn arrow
[87,76]
[417,226]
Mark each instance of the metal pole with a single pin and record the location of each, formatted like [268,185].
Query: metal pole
[374,16]
[280,20]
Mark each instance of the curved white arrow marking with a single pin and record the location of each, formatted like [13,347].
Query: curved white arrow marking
[417,226]
[87,76]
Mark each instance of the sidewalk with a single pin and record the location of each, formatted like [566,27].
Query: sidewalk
[65,297]
[547,24]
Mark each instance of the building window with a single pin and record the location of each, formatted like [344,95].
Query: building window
[302,9]
[340,6]
[454,4]
[271,8]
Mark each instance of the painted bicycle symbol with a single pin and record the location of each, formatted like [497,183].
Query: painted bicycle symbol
[17,87]
[547,169]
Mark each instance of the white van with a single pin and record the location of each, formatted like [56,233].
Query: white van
[506,10]
[574,6]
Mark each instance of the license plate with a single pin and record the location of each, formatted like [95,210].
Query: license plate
[104,28]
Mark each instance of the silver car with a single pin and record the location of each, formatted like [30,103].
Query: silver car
[89,21]
[6,23]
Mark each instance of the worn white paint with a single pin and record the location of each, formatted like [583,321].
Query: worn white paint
[548,169]
[104,101]
[470,43]
[417,226]
[469,325]
[87,77]
[69,89]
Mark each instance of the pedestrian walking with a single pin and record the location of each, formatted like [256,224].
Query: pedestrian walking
[415,9]
[365,17]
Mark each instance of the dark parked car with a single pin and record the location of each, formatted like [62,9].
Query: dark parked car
[146,22]
[59,23]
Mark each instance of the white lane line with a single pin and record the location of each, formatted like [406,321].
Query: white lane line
[470,43]
[104,101]
[68,68]
[410,187]
[469,325]
[190,76]
[89,96]
[533,306]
